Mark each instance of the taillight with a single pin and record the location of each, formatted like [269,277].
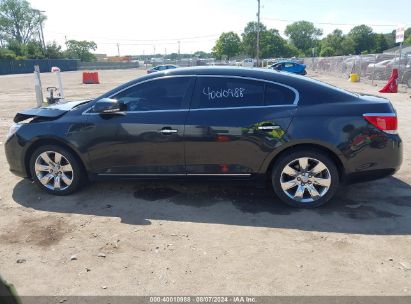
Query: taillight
[386,122]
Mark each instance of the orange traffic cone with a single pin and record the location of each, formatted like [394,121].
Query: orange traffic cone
[392,85]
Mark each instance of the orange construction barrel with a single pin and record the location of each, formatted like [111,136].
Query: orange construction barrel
[90,78]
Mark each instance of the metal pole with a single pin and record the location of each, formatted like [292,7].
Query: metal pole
[41,29]
[399,62]
[373,70]
[258,34]
[42,35]
[118,49]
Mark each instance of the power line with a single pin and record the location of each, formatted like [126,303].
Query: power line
[144,40]
[330,23]
[150,44]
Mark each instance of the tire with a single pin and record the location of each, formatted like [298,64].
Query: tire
[316,189]
[70,173]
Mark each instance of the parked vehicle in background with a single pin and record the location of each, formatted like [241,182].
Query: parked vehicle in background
[162,67]
[303,136]
[289,66]
[374,69]
[357,64]
[383,71]
[406,77]
[248,63]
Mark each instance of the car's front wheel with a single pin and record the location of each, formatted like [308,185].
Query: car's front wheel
[56,170]
[305,178]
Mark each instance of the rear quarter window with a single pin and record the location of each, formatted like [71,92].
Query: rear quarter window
[276,94]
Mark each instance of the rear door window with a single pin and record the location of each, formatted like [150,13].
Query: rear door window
[276,94]
[225,92]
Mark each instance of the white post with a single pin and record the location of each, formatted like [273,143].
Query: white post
[37,86]
[60,86]
[60,82]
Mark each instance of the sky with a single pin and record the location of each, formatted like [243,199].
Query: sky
[142,27]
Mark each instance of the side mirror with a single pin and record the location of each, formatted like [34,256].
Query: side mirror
[106,106]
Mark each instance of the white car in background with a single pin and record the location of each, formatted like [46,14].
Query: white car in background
[249,63]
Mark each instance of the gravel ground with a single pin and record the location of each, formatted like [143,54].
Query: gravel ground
[163,238]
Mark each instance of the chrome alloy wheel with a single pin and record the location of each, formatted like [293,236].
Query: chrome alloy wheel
[305,179]
[53,170]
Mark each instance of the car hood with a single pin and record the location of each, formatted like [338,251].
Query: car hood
[52,111]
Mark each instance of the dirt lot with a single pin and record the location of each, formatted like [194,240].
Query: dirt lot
[189,239]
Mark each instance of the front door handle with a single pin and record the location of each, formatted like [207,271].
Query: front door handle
[268,128]
[168,131]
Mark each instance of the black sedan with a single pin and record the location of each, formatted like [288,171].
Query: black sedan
[303,136]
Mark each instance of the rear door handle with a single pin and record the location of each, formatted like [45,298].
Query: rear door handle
[268,128]
[168,131]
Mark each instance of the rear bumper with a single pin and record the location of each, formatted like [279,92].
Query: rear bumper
[376,161]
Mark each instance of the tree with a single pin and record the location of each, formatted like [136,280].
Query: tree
[250,38]
[272,45]
[304,35]
[348,46]
[381,43]
[333,44]
[202,54]
[81,50]
[363,38]
[53,51]
[407,33]
[228,44]
[18,21]
[7,54]
[16,47]
[327,51]
[34,50]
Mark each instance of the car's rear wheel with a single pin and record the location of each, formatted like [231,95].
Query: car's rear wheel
[305,178]
[56,170]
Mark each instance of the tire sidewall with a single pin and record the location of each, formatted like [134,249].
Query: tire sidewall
[289,157]
[78,174]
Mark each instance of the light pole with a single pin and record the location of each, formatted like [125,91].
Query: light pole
[258,34]
[118,49]
[41,28]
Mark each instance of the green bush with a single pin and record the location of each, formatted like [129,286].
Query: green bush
[7,54]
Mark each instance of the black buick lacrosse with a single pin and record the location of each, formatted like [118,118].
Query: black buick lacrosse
[304,137]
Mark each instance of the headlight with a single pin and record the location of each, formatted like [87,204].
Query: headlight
[13,129]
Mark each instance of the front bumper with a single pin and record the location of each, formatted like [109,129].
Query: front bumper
[15,156]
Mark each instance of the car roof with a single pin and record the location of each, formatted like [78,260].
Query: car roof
[306,86]
[257,73]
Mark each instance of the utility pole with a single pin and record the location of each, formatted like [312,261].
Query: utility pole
[118,49]
[258,34]
[41,28]
[179,42]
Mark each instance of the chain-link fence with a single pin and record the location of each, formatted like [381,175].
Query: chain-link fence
[375,69]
